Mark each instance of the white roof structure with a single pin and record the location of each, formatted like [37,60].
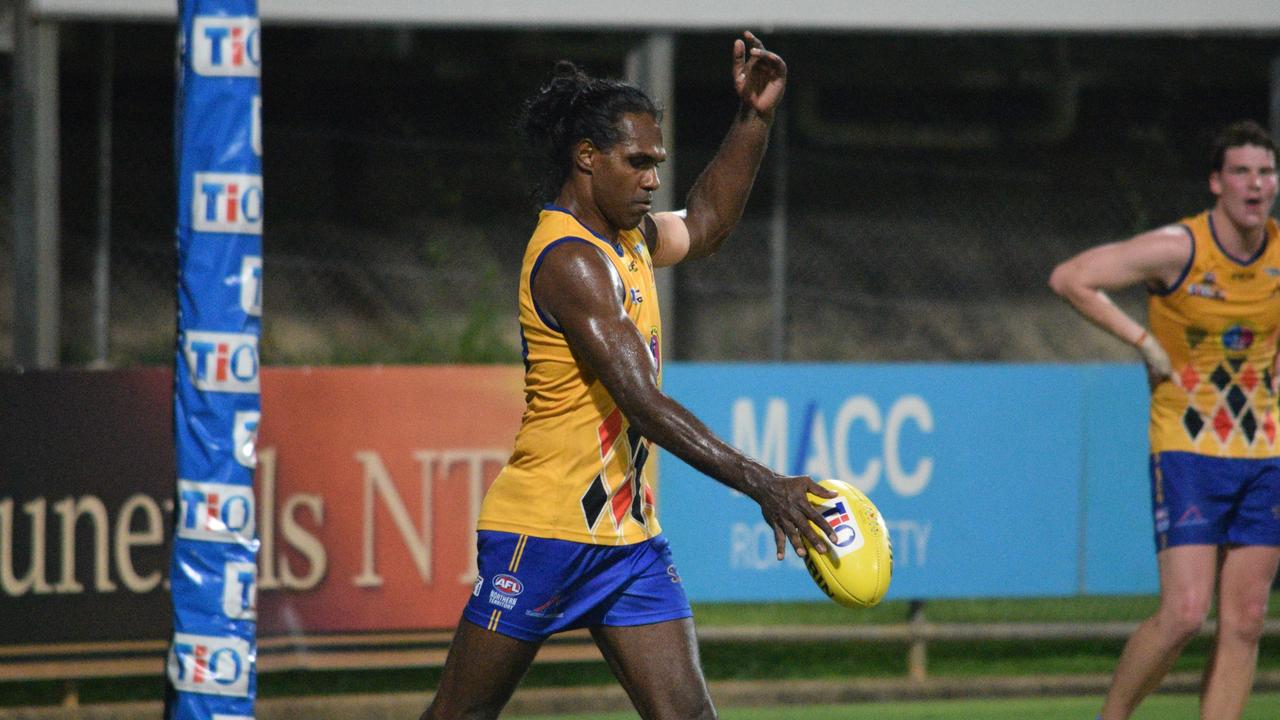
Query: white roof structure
[1144,16]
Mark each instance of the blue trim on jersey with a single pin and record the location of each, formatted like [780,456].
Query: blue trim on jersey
[617,247]
[1214,232]
[530,588]
[534,272]
[524,347]
[1185,268]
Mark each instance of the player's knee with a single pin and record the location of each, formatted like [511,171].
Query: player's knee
[1243,621]
[1184,615]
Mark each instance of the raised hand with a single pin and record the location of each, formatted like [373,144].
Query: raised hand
[759,76]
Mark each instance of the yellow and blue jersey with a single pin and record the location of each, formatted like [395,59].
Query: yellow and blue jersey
[579,470]
[1219,324]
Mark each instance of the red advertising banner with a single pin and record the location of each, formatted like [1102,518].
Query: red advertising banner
[368,484]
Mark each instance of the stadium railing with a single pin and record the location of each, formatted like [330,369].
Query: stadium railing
[428,649]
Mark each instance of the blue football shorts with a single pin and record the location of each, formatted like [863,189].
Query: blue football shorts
[530,588]
[1205,500]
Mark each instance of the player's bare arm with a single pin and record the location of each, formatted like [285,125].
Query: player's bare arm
[1155,258]
[578,287]
[715,203]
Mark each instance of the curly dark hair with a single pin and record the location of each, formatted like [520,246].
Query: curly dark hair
[573,106]
[1239,134]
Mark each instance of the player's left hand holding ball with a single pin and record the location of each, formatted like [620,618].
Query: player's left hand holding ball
[856,570]
[785,504]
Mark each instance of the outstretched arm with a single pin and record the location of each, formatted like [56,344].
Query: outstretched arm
[1156,257]
[579,288]
[720,193]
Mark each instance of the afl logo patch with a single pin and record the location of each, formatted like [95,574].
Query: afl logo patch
[508,585]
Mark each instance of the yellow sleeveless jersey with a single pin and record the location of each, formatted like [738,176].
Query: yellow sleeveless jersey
[1219,325]
[579,470]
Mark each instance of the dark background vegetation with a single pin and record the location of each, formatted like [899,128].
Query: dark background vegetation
[933,182]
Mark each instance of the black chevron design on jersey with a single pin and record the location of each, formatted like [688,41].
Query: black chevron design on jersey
[594,501]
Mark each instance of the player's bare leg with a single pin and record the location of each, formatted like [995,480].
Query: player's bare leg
[480,674]
[1186,592]
[658,667]
[1244,588]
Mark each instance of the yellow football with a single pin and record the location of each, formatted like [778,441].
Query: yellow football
[856,570]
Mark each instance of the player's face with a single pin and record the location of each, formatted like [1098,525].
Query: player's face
[625,177]
[1246,185]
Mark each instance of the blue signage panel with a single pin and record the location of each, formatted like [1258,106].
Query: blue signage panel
[979,471]
[1119,548]
[212,655]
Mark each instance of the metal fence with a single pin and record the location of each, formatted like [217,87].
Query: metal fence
[932,182]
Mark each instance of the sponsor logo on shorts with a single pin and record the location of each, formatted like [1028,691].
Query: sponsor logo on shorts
[506,602]
[1162,519]
[475,591]
[508,585]
[671,573]
[1191,517]
[505,590]
[547,609]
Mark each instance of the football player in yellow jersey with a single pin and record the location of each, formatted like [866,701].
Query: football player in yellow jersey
[559,548]
[1210,354]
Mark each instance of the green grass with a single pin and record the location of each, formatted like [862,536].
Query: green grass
[1067,609]
[1262,706]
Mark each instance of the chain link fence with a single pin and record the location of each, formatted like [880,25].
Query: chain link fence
[933,181]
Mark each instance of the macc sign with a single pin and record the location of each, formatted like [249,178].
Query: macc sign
[977,470]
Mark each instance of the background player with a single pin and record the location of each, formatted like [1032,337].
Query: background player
[567,533]
[1210,353]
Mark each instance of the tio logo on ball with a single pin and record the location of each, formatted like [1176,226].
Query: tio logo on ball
[845,527]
